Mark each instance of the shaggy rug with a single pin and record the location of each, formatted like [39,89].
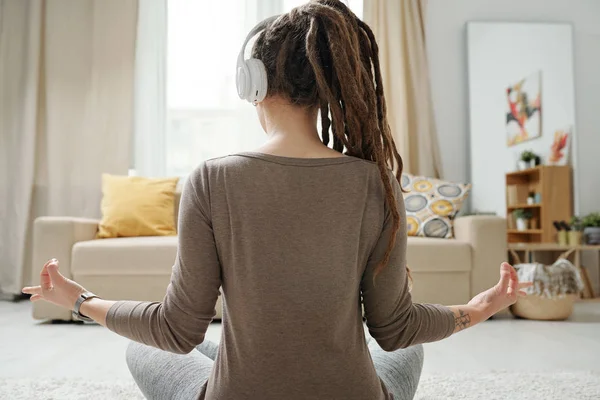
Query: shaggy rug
[490,386]
[511,386]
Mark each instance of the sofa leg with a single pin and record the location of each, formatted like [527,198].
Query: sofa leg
[14,297]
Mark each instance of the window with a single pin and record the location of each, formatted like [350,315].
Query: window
[355,5]
[204,116]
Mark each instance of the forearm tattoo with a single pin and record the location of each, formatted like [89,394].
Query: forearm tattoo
[463,321]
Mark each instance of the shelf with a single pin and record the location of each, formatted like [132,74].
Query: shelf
[524,205]
[528,231]
[525,171]
[550,246]
[554,186]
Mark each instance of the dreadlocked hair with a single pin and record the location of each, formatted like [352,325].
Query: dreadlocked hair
[322,41]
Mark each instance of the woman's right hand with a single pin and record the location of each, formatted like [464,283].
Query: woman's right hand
[504,294]
[55,288]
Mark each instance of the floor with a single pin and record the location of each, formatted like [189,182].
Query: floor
[31,349]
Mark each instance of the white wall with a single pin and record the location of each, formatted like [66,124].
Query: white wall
[447,52]
[500,55]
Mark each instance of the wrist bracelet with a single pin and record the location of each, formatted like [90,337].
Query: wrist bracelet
[82,297]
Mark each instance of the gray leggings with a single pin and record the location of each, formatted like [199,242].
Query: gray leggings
[166,376]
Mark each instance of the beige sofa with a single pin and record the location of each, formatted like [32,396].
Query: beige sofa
[445,271]
[452,271]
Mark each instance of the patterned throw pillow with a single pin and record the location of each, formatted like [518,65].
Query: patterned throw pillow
[431,205]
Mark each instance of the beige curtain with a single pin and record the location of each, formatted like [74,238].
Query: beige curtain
[399,29]
[73,118]
[20,43]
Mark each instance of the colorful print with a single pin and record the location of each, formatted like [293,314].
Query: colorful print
[559,150]
[412,225]
[523,115]
[442,207]
[431,205]
[422,186]
[415,203]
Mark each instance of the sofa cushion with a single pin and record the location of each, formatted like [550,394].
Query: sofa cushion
[135,206]
[438,255]
[156,255]
[431,205]
[149,255]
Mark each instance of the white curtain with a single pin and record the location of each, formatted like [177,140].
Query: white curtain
[20,44]
[399,29]
[77,126]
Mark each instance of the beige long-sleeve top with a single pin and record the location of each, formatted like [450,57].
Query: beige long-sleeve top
[293,243]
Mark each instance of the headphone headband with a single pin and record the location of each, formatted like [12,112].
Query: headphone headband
[259,27]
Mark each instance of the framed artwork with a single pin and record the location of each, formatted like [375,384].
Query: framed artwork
[524,109]
[559,150]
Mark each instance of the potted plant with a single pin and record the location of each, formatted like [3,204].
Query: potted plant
[591,231]
[575,234]
[577,223]
[528,160]
[522,216]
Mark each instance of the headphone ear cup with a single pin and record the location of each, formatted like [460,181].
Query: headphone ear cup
[243,80]
[258,80]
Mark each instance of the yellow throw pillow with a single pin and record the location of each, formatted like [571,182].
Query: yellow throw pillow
[136,206]
[431,205]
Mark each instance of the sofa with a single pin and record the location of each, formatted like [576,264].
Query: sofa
[445,271]
[452,271]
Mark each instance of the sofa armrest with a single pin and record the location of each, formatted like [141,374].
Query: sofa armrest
[487,237]
[54,237]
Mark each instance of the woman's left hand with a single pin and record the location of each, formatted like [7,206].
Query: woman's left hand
[55,288]
[504,294]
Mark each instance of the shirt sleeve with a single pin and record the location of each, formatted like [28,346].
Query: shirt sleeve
[393,320]
[179,322]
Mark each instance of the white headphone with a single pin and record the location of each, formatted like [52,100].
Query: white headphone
[251,76]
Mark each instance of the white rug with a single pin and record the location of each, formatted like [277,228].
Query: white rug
[68,389]
[491,386]
[511,386]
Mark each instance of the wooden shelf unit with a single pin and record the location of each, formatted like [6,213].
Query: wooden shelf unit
[527,232]
[514,207]
[554,185]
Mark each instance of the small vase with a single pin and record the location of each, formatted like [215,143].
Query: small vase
[533,223]
[574,238]
[563,238]
[530,200]
[521,224]
[592,235]
[532,164]
[522,165]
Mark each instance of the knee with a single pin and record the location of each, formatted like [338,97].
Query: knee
[412,357]
[418,351]
[209,349]
[133,355]
[418,355]
[413,364]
